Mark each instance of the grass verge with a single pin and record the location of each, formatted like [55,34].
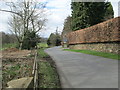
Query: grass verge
[42,45]
[48,76]
[102,54]
[41,53]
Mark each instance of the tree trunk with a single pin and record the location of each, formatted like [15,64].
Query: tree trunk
[20,48]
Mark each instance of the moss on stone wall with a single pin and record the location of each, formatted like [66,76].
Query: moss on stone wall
[101,47]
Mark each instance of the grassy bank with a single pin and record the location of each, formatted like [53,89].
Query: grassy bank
[9,45]
[42,45]
[102,54]
[48,76]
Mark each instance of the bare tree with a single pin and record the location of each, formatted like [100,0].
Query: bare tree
[26,16]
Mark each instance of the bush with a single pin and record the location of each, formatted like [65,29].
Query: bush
[54,40]
[30,40]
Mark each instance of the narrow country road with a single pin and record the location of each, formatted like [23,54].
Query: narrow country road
[79,70]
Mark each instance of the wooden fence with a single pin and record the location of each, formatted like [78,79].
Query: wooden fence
[35,72]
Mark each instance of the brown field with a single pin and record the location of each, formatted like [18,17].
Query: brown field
[16,64]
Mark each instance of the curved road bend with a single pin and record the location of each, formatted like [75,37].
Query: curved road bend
[79,70]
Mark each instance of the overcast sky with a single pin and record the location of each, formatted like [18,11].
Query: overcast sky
[58,10]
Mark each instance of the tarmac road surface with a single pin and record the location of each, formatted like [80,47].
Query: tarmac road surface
[79,70]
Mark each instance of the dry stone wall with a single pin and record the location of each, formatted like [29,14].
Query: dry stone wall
[100,47]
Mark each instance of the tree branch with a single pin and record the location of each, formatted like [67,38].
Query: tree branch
[12,12]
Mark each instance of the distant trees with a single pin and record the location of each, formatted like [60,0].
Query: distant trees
[43,40]
[67,26]
[28,18]
[8,38]
[85,14]
[51,40]
[54,39]
[58,39]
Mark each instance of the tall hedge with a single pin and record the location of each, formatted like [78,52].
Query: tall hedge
[108,31]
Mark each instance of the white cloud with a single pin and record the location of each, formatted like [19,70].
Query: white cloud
[4,18]
[59,3]
[57,11]
[114,0]
[115,8]
[60,10]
